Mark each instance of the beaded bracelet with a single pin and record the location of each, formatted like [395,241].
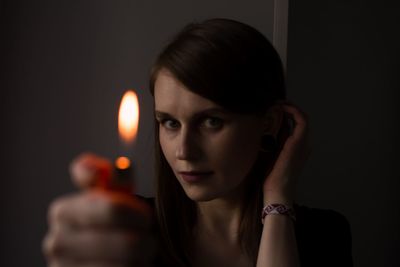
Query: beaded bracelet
[279,209]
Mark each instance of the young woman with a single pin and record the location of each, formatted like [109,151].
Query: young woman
[228,151]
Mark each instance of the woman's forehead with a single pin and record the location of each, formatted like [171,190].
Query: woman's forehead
[170,95]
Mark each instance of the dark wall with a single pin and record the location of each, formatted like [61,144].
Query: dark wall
[65,65]
[343,68]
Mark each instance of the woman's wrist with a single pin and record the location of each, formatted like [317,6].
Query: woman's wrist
[278,209]
[277,198]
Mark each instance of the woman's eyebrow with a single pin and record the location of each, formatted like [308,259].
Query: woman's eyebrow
[160,114]
[213,110]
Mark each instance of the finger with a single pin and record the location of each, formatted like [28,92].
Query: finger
[300,119]
[91,245]
[301,133]
[67,262]
[99,210]
[107,246]
[88,168]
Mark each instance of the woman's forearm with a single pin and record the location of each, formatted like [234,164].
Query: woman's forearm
[278,247]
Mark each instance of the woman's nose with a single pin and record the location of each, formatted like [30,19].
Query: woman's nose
[187,146]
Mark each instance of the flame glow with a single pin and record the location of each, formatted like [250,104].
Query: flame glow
[122,163]
[128,117]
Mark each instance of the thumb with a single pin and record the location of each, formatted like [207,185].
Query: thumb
[88,170]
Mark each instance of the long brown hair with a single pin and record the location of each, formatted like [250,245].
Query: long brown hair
[235,66]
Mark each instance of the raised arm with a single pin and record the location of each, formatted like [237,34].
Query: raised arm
[278,247]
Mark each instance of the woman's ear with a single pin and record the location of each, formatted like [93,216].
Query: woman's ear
[273,120]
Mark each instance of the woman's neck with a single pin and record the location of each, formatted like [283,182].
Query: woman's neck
[217,234]
[220,219]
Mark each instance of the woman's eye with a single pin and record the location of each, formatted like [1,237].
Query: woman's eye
[170,124]
[213,123]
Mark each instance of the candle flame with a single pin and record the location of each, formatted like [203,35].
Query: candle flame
[128,117]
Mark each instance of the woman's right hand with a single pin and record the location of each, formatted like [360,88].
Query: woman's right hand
[95,227]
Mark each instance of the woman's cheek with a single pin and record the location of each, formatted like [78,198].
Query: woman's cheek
[166,147]
[237,157]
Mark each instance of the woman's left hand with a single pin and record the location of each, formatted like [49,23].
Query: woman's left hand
[279,186]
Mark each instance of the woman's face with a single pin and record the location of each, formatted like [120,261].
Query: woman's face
[210,149]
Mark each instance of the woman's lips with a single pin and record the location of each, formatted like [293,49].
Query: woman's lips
[194,176]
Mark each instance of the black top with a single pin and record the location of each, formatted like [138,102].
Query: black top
[323,237]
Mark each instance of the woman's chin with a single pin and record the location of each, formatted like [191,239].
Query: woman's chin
[200,196]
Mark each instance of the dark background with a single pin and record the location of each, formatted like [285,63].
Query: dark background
[65,65]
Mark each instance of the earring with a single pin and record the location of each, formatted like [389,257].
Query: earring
[268,144]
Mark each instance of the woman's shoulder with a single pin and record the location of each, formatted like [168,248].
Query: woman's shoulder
[323,237]
[306,216]
[320,223]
